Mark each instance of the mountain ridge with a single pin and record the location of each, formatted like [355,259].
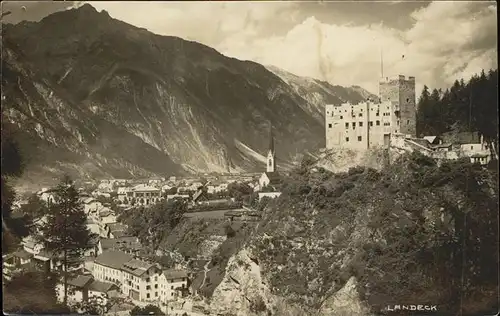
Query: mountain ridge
[105,86]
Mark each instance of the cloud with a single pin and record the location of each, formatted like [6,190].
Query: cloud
[447,41]
[208,22]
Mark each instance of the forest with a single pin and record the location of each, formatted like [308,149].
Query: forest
[466,106]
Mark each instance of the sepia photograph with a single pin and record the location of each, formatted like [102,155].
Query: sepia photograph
[250,158]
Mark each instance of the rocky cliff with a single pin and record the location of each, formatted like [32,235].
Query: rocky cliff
[354,243]
[97,96]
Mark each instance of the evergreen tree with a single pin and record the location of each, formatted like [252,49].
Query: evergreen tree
[423,111]
[466,106]
[65,231]
[12,167]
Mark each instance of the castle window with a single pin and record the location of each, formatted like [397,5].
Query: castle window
[353,125]
[329,125]
[359,138]
[346,125]
[398,122]
[360,124]
[378,123]
[377,114]
[347,139]
[341,117]
[407,122]
[371,123]
[270,162]
[360,114]
[408,100]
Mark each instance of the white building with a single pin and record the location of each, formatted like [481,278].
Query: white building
[47,195]
[171,283]
[371,123]
[122,193]
[137,279]
[146,195]
[271,195]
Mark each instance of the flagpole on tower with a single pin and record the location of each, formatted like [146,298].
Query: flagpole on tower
[381,62]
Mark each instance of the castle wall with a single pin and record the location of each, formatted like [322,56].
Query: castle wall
[359,126]
[401,92]
[408,106]
[370,124]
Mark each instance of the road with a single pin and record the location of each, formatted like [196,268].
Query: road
[205,270]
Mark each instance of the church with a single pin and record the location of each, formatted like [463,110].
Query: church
[271,177]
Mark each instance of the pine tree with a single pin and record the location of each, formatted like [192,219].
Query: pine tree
[65,231]
[12,167]
[423,112]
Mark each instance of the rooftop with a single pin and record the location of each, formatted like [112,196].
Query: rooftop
[174,274]
[114,227]
[137,267]
[80,281]
[273,177]
[103,287]
[23,254]
[113,259]
[145,188]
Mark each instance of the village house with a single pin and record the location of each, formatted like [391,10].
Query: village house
[103,290]
[127,244]
[84,287]
[47,195]
[146,195]
[15,261]
[216,186]
[137,279]
[172,283]
[106,186]
[271,195]
[166,187]
[122,193]
[31,245]
[115,230]
[449,146]
[92,226]
[77,289]
[91,205]
[155,181]
[178,196]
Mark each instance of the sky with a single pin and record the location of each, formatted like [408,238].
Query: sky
[340,42]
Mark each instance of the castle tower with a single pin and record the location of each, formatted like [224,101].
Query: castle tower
[271,154]
[400,93]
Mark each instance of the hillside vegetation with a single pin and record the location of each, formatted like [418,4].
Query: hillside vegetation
[412,233]
[464,107]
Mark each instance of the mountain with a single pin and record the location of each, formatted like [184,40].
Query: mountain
[102,98]
[317,93]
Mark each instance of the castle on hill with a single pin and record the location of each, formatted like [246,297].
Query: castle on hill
[371,123]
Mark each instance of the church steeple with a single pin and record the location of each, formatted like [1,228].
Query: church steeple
[271,154]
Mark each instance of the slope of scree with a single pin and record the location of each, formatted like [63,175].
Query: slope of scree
[188,104]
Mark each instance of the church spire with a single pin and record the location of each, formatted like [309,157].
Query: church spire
[271,154]
[271,139]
